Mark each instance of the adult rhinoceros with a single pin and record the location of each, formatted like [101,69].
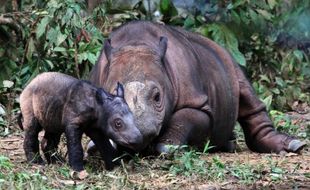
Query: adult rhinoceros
[185,89]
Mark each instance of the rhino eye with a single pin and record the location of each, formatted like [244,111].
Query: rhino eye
[157,97]
[118,124]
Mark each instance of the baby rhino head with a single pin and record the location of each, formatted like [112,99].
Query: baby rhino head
[120,124]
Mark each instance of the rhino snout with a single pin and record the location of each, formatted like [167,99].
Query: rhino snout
[136,143]
[133,140]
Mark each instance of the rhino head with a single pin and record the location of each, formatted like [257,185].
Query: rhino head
[142,70]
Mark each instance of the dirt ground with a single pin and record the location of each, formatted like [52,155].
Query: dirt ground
[149,173]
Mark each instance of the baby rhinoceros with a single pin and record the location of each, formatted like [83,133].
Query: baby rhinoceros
[60,103]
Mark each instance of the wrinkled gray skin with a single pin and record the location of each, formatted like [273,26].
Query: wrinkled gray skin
[185,89]
[60,103]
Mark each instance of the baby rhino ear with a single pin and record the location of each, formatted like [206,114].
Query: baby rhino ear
[120,90]
[101,95]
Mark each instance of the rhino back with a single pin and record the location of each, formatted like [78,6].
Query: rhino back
[44,97]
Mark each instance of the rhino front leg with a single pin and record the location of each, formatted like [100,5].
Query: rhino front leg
[187,126]
[260,135]
[75,149]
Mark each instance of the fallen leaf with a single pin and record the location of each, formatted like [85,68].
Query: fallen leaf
[290,154]
[69,182]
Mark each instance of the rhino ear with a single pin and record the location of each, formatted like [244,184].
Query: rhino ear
[108,49]
[163,46]
[101,95]
[120,90]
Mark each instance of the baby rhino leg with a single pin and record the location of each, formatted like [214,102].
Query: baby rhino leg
[260,135]
[75,149]
[31,142]
[102,143]
[49,145]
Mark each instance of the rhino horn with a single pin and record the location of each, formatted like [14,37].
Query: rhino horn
[108,49]
[162,46]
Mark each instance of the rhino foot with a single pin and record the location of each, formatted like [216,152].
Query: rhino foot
[38,160]
[295,145]
[162,148]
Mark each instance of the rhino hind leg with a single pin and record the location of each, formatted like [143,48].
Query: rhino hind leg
[187,126]
[260,135]
[31,142]
[49,145]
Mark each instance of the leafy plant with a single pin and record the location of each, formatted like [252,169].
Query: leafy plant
[5,163]
[284,123]
[19,180]
[64,171]
[276,172]
[55,37]
[246,173]
[188,163]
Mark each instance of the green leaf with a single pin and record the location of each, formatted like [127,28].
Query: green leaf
[275,91]
[50,64]
[272,3]
[280,82]
[253,15]
[189,22]
[60,38]
[52,35]
[264,78]
[164,6]
[60,49]
[7,84]
[238,56]
[82,57]
[92,58]
[167,8]
[66,19]
[235,17]
[244,17]
[237,3]
[2,111]
[30,49]
[41,28]
[267,101]
[226,38]
[230,6]
[265,14]
[298,54]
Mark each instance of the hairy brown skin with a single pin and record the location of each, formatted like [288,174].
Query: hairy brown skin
[184,89]
[59,103]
